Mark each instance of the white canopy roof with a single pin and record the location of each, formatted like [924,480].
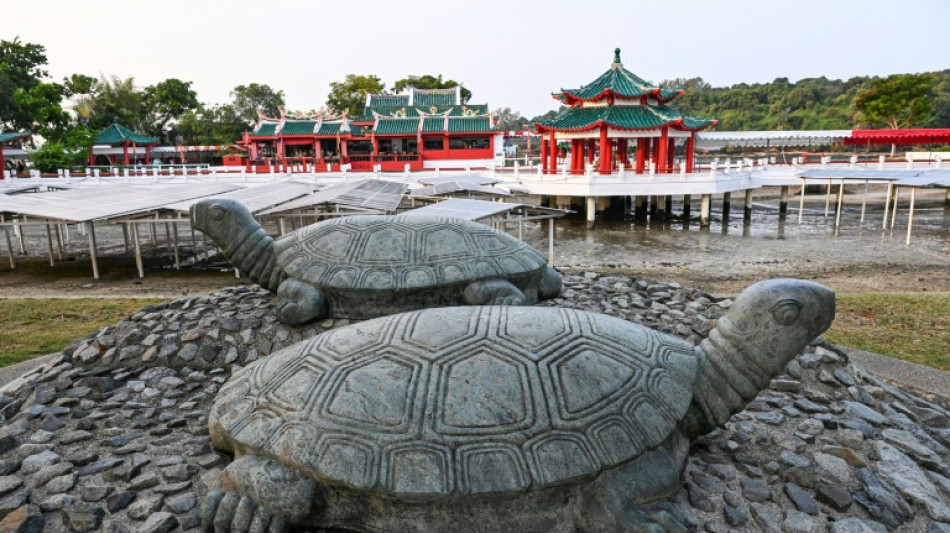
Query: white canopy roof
[476,209]
[363,194]
[255,198]
[712,140]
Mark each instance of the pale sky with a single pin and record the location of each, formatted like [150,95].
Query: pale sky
[508,53]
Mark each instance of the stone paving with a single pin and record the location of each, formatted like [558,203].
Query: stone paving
[112,435]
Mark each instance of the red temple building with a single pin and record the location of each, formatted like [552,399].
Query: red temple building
[421,129]
[118,135]
[9,138]
[610,116]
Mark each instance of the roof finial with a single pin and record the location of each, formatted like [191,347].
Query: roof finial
[617,55]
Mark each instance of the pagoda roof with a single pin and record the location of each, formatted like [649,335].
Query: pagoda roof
[638,117]
[619,83]
[416,110]
[14,135]
[304,128]
[119,134]
[417,97]
[441,124]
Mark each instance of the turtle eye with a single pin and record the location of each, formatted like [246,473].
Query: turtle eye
[786,312]
[217,213]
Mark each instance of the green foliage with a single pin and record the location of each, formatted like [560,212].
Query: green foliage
[165,101]
[428,81]
[116,100]
[898,101]
[27,102]
[812,103]
[41,104]
[509,120]
[350,94]
[79,84]
[247,99]
[219,124]
[50,158]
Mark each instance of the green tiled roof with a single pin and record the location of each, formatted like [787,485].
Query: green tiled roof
[620,82]
[438,97]
[433,124]
[388,99]
[13,135]
[118,134]
[396,126]
[457,124]
[266,129]
[637,117]
[332,128]
[298,127]
[413,111]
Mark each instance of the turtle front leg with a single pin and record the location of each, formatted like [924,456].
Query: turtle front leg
[257,495]
[301,302]
[662,517]
[550,285]
[493,292]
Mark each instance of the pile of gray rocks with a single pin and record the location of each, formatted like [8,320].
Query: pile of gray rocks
[112,435]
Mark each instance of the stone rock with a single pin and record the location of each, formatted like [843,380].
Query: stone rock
[799,522]
[9,483]
[181,503]
[120,501]
[832,467]
[910,480]
[857,525]
[35,462]
[94,493]
[835,496]
[802,500]
[144,506]
[160,522]
[755,489]
[24,519]
[79,518]
[766,518]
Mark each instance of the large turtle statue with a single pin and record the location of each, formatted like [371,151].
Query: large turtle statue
[492,418]
[373,265]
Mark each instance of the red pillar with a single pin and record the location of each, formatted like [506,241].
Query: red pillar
[148,155]
[591,148]
[690,148]
[622,152]
[669,156]
[552,147]
[3,165]
[544,155]
[125,153]
[662,158]
[604,151]
[655,152]
[642,151]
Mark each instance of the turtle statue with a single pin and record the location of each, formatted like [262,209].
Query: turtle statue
[373,265]
[492,418]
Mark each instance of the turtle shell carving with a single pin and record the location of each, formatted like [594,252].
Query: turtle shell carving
[374,252]
[461,400]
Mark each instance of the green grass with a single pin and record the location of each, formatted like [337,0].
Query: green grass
[33,327]
[910,326]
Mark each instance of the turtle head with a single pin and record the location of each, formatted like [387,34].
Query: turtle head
[221,219]
[772,321]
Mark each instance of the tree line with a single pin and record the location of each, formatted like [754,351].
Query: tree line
[68,113]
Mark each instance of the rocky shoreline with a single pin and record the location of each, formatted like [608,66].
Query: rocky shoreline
[112,435]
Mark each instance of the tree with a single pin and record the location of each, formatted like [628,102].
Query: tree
[509,120]
[350,94]
[165,101]
[427,81]
[21,71]
[41,104]
[77,84]
[211,125]
[247,99]
[899,101]
[116,100]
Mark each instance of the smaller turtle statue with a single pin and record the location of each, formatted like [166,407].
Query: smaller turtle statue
[492,418]
[367,266]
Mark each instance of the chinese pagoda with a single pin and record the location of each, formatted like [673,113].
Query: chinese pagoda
[607,114]
[423,129]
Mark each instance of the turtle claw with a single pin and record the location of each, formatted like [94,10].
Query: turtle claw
[209,507]
[224,515]
[260,522]
[660,518]
[301,302]
[243,515]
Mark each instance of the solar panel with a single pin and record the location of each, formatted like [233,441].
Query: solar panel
[366,194]
[466,178]
[463,208]
[859,173]
[256,198]
[455,186]
[95,203]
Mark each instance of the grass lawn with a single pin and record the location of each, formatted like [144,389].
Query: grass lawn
[30,328]
[910,326]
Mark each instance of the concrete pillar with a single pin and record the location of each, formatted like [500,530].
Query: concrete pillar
[661,206]
[591,210]
[783,202]
[704,204]
[652,207]
[668,204]
[747,206]
[726,200]
[686,201]
[640,207]
[946,198]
